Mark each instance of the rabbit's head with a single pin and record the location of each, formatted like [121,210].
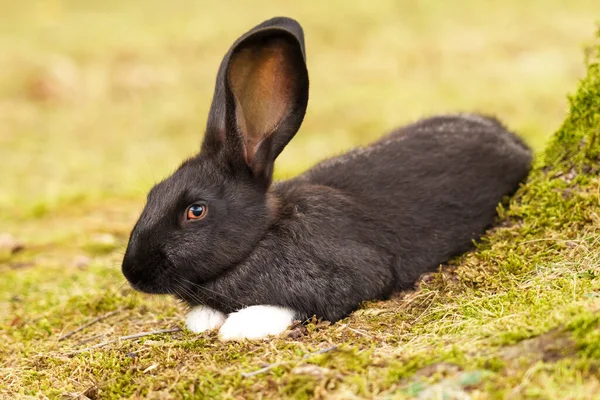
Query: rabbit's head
[214,209]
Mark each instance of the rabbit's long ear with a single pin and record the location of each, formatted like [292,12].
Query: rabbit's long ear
[260,97]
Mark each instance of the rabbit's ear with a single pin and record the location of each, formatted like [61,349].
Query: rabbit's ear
[260,97]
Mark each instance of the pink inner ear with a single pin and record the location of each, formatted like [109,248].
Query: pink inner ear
[262,81]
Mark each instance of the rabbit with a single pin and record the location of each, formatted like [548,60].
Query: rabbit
[250,256]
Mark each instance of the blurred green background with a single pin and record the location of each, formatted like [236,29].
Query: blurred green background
[100,99]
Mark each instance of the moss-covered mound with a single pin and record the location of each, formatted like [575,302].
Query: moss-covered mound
[518,317]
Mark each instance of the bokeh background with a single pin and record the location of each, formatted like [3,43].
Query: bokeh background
[100,99]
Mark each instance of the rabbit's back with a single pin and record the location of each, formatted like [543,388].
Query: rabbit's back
[435,184]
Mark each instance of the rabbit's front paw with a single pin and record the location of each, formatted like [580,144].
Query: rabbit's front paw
[256,322]
[202,318]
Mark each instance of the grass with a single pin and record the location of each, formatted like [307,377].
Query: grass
[100,100]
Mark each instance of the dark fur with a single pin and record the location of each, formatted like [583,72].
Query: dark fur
[353,228]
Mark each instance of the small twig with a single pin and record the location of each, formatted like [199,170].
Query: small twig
[96,346]
[271,366]
[84,341]
[322,351]
[359,332]
[260,371]
[549,240]
[142,334]
[92,322]
[122,338]
[150,368]
[427,309]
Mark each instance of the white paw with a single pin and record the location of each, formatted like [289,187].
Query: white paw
[256,322]
[202,318]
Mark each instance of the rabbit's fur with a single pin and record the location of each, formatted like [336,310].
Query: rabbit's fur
[356,227]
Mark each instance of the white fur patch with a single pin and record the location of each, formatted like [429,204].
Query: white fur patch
[256,322]
[202,318]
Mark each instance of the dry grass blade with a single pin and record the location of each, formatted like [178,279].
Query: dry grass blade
[92,322]
[122,338]
[271,366]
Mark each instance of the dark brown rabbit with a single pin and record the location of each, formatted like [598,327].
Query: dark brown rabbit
[250,256]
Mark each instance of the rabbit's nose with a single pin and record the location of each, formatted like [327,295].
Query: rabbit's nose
[130,270]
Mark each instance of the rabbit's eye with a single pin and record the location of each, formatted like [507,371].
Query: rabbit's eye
[196,211]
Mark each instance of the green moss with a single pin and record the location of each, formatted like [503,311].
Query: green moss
[577,142]
[586,331]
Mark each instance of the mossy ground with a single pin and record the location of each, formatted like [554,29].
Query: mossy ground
[519,317]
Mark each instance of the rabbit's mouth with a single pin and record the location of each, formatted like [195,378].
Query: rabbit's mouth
[149,287]
[149,276]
